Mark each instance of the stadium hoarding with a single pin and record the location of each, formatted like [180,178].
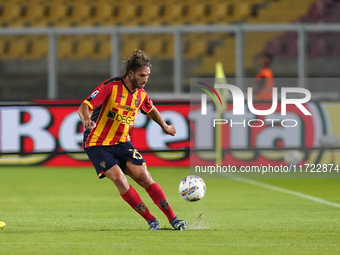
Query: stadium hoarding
[49,133]
[261,139]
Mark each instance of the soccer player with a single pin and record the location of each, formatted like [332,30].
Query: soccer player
[264,79]
[114,105]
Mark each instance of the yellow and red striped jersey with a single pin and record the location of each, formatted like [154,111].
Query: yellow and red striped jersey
[114,110]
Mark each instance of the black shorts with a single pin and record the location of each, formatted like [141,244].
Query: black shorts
[105,157]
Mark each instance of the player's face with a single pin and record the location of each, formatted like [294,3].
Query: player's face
[140,77]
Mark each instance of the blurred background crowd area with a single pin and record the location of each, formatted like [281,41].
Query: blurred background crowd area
[83,60]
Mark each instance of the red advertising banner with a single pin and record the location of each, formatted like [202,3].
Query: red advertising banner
[254,139]
[50,133]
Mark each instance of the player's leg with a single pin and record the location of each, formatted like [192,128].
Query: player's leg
[133,164]
[107,165]
[140,175]
[116,175]
[128,193]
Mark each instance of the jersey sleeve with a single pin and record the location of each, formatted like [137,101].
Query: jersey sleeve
[147,105]
[98,96]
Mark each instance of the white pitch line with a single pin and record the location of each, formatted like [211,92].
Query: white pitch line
[287,191]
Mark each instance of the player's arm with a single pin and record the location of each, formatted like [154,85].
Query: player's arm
[98,96]
[157,117]
[83,113]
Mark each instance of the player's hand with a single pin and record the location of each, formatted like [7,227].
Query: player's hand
[170,130]
[89,124]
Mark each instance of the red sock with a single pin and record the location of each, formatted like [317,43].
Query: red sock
[134,200]
[157,195]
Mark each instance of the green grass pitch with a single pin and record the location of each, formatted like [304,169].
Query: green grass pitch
[70,211]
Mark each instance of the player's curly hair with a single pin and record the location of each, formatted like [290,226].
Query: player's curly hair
[137,59]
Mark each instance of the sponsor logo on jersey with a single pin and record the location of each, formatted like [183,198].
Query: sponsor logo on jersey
[125,107]
[125,119]
[121,118]
[111,114]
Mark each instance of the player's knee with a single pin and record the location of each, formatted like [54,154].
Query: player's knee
[143,176]
[144,179]
[117,178]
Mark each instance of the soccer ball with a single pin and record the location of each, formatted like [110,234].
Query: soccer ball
[192,188]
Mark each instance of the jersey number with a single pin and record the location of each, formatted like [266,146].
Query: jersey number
[136,154]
